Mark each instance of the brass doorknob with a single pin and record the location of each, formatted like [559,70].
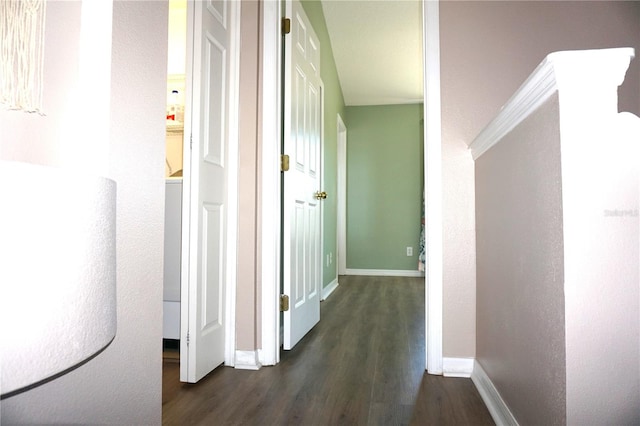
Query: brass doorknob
[321,195]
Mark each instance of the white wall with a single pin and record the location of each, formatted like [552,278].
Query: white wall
[123,384]
[557,247]
[38,138]
[520,299]
[488,48]
[600,190]
[602,315]
[177,37]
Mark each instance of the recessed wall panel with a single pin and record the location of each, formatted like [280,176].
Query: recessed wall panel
[214,83]
[300,119]
[211,267]
[218,9]
[301,34]
[314,56]
[313,254]
[299,254]
[314,129]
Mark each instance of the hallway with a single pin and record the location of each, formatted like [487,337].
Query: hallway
[362,364]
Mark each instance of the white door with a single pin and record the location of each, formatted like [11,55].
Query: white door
[301,214]
[205,182]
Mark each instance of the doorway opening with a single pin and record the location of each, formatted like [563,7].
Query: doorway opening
[270,237]
[203,64]
[342,197]
[174,145]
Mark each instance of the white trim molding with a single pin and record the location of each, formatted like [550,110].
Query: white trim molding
[248,360]
[341,229]
[385,272]
[564,66]
[457,367]
[495,404]
[329,288]
[323,184]
[232,189]
[433,185]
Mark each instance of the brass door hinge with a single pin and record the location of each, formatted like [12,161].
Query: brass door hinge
[284,303]
[284,163]
[286,26]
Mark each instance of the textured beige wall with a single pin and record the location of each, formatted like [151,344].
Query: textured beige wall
[247,320]
[490,47]
[37,138]
[123,384]
[520,286]
[487,50]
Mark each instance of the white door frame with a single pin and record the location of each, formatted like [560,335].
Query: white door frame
[323,187]
[232,186]
[432,184]
[271,131]
[341,238]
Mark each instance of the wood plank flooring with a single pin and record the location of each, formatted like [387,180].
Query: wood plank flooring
[363,364]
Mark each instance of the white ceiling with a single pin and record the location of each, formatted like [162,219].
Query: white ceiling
[377,46]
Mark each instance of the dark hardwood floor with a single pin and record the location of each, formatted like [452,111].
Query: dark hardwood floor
[363,364]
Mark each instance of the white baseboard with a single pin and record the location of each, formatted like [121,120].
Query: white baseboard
[492,399]
[247,360]
[385,272]
[326,291]
[262,357]
[457,367]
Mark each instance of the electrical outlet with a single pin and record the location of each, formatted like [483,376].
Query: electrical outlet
[409,251]
[330,258]
[327,260]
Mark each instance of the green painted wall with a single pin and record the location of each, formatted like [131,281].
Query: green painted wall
[383,200]
[384,186]
[333,105]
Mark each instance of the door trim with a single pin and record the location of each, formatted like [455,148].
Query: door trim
[341,238]
[271,130]
[433,185]
[232,186]
[270,216]
[323,187]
